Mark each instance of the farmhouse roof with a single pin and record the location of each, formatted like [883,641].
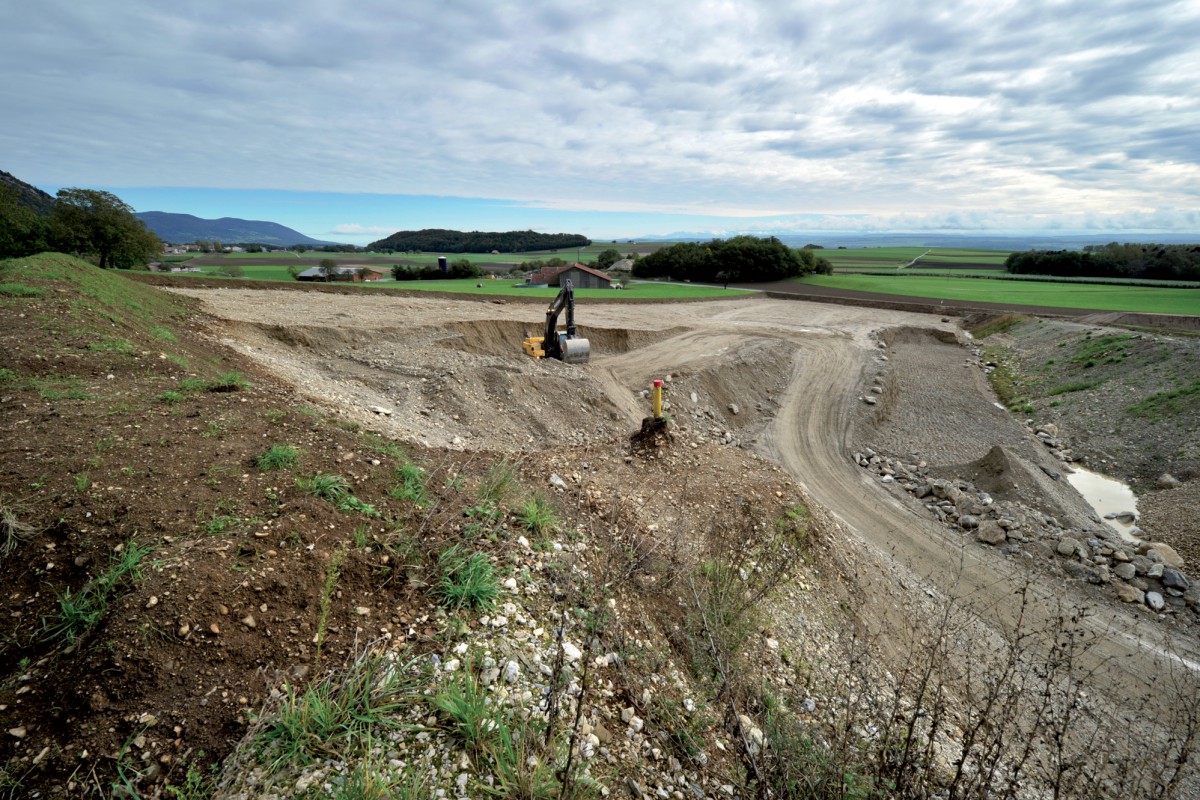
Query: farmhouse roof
[590,271]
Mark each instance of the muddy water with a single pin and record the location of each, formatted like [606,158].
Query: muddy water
[1106,496]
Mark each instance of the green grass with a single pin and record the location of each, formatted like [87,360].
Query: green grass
[1161,405]
[328,487]
[537,516]
[171,397]
[634,291]
[64,388]
[7,375]
[332,572]
[466,581]
[411,486]
[352,503]
[79,612]
[20,290]
[344,715]
[109,345]
[278,456]
[1100,297]
[229,382]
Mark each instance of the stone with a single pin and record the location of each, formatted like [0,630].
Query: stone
[1067,546]
[969,521]
[1167,554]
[1174,579]
[1125,571]
[870,401]
[990,532]
[734,409]
[512,672]
[557,482]
[1130,594]
[362,611]
[249,621]
[570,652]
[1168,481]
[18,732]
[1155,601]
[1049,428]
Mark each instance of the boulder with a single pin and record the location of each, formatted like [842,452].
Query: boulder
[1155,601]
[1125,571]
[1168,481]
[1130,594]
[990,532]
[1174,579]
[1067,546]
[1168,554]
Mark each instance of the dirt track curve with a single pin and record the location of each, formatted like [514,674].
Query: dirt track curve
[797,370]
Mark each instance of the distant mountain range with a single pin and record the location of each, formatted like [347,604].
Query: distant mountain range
[977,241]
[185,228]
[29,196]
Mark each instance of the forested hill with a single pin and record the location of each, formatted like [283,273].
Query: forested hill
[444,241]
[31,197]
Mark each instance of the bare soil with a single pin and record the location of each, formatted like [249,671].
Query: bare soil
[765,398]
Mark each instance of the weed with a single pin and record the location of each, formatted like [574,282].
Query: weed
[178,360]
[12,531]
[362,536]
[464,704]
[275,415]
[411,487]
[352,503]
[79,612]
[192,385]
[328,487]
[83,482]
[220,523]
[197,784]
[7,375]
[171,397]
[229,382]
[342,714]
[159,332]
[467,582]
[537,516]
[332,573]
[279,456]
[498,482]
[215,430]
[387,448]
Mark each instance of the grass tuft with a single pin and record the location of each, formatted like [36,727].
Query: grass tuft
[79,612]
[328,487]
[537,516]
[279,456]
[467,581]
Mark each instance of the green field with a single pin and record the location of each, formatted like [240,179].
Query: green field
[656,291]
[1101,297]
[862,259]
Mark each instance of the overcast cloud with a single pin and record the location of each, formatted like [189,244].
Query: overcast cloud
[866,115]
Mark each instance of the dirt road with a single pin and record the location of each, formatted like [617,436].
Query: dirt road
[784,378]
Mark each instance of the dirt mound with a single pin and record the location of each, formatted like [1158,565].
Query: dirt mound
[1007,476]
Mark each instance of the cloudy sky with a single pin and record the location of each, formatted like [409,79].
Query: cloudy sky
[350,120]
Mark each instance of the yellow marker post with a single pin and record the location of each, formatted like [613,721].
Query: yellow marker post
[656,398]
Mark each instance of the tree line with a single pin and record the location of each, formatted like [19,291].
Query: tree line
[742,259]
[1172,262]
[447,241]
[84,222]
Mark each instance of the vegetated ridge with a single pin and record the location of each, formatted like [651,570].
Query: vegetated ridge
[185,228]
[449,241]
[29,196]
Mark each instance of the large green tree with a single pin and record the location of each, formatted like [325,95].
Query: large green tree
[90,222]
[22,231]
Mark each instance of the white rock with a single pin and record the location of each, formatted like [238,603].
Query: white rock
[512,672]
[570,652]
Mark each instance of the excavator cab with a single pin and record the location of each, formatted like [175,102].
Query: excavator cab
[566,346]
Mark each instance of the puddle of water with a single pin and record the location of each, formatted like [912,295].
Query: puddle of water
[1106,496]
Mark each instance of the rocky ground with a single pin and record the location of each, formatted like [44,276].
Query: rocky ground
[708,612]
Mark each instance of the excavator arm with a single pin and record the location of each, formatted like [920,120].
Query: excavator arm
[566,346]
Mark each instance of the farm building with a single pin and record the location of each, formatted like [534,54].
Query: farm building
[349,274]
[581,277]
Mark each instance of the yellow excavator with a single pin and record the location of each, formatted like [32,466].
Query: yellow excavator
[566,346]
